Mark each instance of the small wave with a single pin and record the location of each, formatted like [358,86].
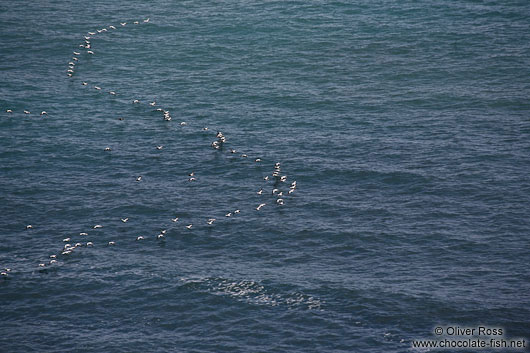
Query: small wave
[255,293]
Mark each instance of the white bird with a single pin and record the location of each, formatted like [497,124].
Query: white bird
[84,83]
[136,101]
[232,150]
[279,201]
[27,112]
[87,37]
[283,178]
[112,93]
[260,191]
[97,87]
[42,265]
[112,27]
[266,178]
[66,252]
[160,236]
[146,20]
[140,238]
[205,128]
[139,178]
[53,261]
[107,149]
[175,219]
[274,191]
[4,274]
[191,174]
[76,53]
[229,214]
[124,220]
[67,246]
[98,226]
[291,191]
[77,245]
[192,179]
[90,52]
[66,240]
[43,113]
[244,155]
[183,123]
[152,104]
[210,221]
[260,206]
[75,59]
[189,226]
[159,147]
[29,226]
[136,22]
[89,243]
[123,23]
[83,233]
[91,33]
[112,243]
[9,111]
[237,211]
[53,256]
[258,159]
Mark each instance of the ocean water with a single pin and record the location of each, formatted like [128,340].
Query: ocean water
[405,124]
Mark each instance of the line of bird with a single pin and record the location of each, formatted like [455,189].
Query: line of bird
[76,55]
[69,247]
[27,112]
[87,44]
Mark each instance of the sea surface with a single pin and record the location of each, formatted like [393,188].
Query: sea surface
[405,126]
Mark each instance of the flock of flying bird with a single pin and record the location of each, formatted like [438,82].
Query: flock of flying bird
[277,179]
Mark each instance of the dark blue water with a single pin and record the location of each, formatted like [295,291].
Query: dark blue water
[405,124]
